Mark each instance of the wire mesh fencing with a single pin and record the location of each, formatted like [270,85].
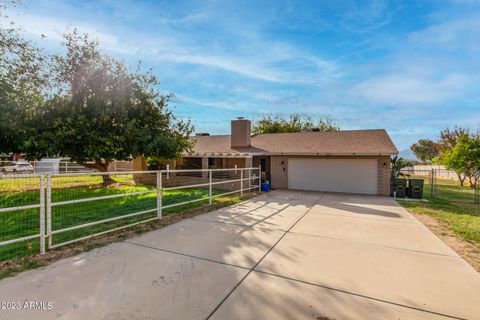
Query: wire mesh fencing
[40,212]
[58,166]
[79,206]
[444,185]
[185,187]
[22,215]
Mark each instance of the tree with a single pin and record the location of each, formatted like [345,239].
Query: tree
[103,112]
[295,123]
[465,157]
[448,140]
[425,150]
[23,84]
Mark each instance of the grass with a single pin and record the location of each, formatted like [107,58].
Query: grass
[34,260]
[24,191]
[453,205]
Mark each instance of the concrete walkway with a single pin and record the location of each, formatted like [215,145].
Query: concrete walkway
[284,255]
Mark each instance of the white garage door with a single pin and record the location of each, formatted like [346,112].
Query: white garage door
[335,175]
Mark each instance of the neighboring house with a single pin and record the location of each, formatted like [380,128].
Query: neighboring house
[353,161]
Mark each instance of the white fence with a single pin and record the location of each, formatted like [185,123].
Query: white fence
[59,209]
[441,171]
[72,167]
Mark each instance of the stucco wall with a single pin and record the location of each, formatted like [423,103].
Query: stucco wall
[231,162]
[279,172]
[241,133]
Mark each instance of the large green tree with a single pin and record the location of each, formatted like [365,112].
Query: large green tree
[425,150]
[293,123]
[448,137]
[23,84]
[103,112]
[465,157]
[448,140]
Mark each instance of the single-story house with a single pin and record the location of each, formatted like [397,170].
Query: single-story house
[353,161]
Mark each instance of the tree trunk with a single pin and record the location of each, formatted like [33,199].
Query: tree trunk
[473,182]
[102,166]
[461,179]
[107,180]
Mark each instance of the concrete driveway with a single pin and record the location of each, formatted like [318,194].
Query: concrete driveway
[283,255]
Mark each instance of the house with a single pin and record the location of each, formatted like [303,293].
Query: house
[352,161]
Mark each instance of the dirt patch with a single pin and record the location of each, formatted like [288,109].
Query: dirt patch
[468,250]
[11,267]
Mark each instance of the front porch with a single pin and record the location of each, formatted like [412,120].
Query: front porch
[215,162]
[228,162]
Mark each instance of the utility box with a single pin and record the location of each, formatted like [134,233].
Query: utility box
[48,166]
[415,188]
[400,188]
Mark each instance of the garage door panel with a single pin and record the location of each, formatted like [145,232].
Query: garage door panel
[334,175]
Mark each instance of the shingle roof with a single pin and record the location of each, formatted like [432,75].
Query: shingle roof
[348,142]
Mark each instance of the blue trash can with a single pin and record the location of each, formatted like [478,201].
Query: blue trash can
[266,187]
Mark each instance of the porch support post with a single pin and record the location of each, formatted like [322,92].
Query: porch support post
[249,172]
[249,162]
[204,167]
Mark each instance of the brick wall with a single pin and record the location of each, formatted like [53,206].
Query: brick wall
[384,176]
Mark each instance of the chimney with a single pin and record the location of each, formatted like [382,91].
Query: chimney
[241,132]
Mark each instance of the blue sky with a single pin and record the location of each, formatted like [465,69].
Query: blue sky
[412,67]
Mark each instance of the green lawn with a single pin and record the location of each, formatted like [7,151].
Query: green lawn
[26,222]
[454,205]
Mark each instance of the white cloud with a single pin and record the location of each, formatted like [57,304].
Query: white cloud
[410,89]
[177,41]
[243,68]
[205,103]
[451,34]
[466,1]
[365,17]
[53,29]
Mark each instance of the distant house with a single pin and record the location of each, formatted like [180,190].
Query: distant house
[353,161]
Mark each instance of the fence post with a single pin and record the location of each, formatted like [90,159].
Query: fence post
[433,183]
[260,178]
[49,210]
[210,186]
[241,182]
[42,214]
[159,194]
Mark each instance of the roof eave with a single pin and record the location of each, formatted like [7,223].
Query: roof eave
[330,153]
[219,154]
[251,154]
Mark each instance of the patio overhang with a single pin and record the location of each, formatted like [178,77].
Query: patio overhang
[218,155]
